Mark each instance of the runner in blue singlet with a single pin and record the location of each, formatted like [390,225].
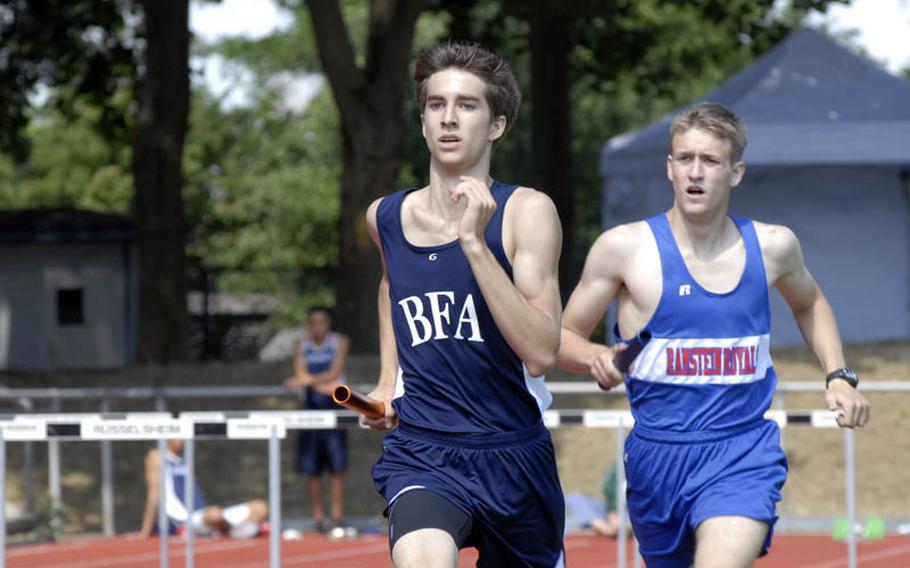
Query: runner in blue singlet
[704,467]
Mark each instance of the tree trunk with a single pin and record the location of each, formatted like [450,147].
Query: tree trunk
[551,123]
[161,123]
[366,176]
[370,101]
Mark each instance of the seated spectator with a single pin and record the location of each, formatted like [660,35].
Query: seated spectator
[587,512]
[244,520]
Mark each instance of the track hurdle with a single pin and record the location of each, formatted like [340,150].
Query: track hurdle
[622,420]
[148,426]
[233,426]
[12,430]
[272,426]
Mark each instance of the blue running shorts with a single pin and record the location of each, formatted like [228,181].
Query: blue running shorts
[675,481]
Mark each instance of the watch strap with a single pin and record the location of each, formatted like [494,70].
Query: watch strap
[845,373]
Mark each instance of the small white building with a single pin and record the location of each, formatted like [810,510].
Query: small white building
[67,289]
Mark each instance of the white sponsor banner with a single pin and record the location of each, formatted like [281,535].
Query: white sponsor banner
[824,419]
[301,419]
[135,429]
[779,416]
[700,361]
[148,415]
[24,430]
[551,418]
[254,428]
[607,418]
[205,416]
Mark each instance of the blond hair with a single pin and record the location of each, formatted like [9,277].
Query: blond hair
[716,119]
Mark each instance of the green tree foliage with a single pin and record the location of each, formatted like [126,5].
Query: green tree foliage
[72,148]
[263,198]
[263,178]
[81,48]
[263,182]
[71,164]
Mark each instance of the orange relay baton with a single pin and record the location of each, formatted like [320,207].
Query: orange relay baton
[353,400]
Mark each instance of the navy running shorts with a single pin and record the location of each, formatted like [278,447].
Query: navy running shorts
[322,450]
[506,483]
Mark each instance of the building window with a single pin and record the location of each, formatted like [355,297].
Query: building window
[69,307]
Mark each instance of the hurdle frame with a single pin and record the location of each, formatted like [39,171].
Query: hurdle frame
[272,425]
[25,397]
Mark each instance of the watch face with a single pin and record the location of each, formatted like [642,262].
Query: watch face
[849,373]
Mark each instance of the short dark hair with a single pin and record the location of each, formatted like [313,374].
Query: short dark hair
[716,119]
[502,92]
[324,309]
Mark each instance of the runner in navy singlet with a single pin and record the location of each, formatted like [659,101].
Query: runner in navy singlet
[469,323]
[704,467]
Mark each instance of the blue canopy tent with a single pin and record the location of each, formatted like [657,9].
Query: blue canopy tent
[828,156]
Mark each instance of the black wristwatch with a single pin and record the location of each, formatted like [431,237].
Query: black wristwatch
[846,374]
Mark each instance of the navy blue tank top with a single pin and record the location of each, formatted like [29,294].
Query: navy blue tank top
[708,365]
[459,373]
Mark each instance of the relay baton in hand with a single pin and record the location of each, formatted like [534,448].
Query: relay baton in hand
[353,400]
[624,359]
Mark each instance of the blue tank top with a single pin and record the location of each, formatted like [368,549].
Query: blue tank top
[318,360]
[459,373]
[175,468]
[707,366]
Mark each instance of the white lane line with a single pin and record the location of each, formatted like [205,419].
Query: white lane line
[177,552]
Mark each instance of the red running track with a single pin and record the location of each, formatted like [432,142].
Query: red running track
[789,551]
